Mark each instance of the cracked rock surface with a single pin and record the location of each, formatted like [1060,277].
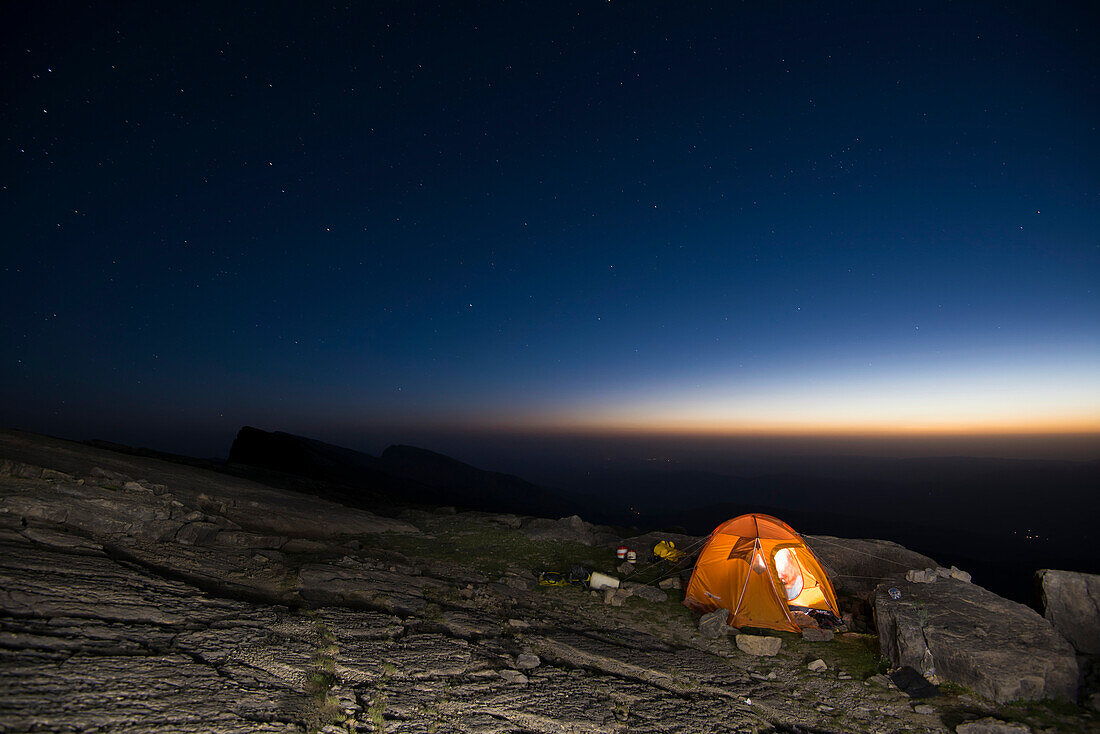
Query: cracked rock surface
[142,596]
[1071,602]
[964,633]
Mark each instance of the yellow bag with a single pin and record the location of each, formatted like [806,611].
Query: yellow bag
[667,549]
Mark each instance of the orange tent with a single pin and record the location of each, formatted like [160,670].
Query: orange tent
[761,570]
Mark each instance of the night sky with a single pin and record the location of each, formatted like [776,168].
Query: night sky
[773,218]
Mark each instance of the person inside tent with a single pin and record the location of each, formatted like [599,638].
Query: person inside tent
[802,590]
[789,573]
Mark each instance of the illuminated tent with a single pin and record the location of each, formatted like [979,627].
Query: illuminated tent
[762,571]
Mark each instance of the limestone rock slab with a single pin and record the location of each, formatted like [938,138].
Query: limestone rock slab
[1071,601]
[857,566]
[963,633]
[759,645]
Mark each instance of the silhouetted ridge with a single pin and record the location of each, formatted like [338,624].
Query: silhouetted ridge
[477,488]
[404,474]
[305,457]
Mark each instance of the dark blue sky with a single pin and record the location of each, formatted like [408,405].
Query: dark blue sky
[762,218]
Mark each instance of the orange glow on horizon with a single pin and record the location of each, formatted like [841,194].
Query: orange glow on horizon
[912,422]
[1013,400]
[1006,403]
[687,427]
[690,428]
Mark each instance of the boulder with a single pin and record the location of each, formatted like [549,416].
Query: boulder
[922,576]
[715,624]
[649,593]
[931,575]
[1071,601]
[759,645]
[670,583]
[616,597]
[804,621]
[527,661]
[856,567]
[817,666]
[956,631]
[513,676]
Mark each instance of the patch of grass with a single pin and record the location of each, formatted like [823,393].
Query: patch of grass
[319,682]
[949,688]
[860,656]
[324,664]
[322,676]
[376,712]
[856,655]
[325,632]
[330,711]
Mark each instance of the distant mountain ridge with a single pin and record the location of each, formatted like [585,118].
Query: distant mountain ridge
[402,474]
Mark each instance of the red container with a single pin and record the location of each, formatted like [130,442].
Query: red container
[631,556]
[621,552]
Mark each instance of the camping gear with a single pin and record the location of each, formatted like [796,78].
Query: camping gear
[578,575]
[666,549]
[631,556]
[913,684]
[602,581]
[552,578]
[762,571]
[620,552]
